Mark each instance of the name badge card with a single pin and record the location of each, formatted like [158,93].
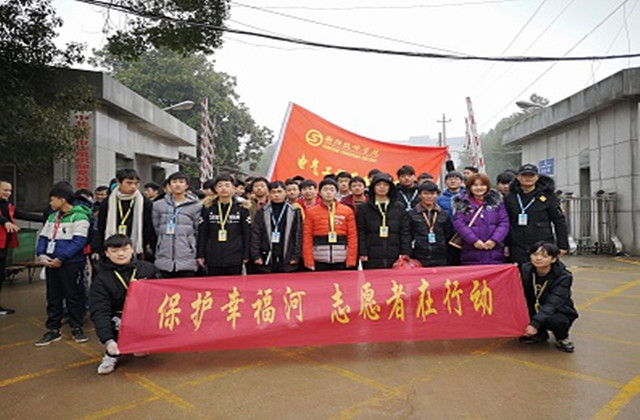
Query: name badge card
[222,235]
[51,247]
[171,228]
[523,219]
[333,238]
[275,237]
[384,231]
[122,229]
[431,238]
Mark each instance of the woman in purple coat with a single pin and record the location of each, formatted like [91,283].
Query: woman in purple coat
[483,241]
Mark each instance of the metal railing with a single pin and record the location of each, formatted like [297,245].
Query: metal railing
[592,223]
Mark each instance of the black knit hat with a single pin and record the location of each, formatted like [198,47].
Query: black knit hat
[62,190]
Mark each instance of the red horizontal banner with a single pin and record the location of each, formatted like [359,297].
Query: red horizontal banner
[301,309]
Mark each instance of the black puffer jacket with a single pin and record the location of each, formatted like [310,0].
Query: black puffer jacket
[238,226]
[436,254]
[107,294]
[556,296]
[408,196]
[382,252]
[543,213]
[291,238]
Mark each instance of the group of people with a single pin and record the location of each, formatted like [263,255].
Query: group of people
[258,226]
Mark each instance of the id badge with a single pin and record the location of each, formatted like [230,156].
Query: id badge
[51,247]
[523,219]
[275,237]
[171,228]
[431,238]
[122,229]
[222,235]
[384,231]
[333,238]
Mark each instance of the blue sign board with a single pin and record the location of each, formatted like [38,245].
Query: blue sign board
[546,167]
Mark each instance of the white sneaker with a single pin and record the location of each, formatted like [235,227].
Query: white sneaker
[107,365]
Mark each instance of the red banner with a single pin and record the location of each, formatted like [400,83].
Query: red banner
[313,147]
[301,309]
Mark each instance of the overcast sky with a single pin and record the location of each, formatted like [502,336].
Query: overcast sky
[392,98]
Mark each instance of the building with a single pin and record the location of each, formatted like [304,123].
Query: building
[124,131]
[589,143]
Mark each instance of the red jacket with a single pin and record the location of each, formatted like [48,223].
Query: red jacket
[13,238]
[316,230]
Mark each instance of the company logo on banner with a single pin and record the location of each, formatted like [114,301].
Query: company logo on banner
[314,147]
[301,309]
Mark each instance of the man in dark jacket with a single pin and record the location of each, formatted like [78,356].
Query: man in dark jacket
[407,188]
[276,234]
[126,211]
[224,233]
[534,214]
[108,292]
[383,225]
[431,228]
[547,288]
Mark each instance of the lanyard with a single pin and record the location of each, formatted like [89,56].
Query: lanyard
[174,214]
[430,223]
[223,221]
[56,226]
[277,223]
[332,217]
[123,219]
[537,295]
[406,200]
[133,278]
[523,209]
[383,213]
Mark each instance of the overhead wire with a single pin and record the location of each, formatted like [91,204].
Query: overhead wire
[396,7]
[556,62]
[465,57]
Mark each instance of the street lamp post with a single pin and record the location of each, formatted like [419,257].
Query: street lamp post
[180,106]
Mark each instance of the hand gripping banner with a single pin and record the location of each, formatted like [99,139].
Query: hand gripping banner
[301,309]
[314,147]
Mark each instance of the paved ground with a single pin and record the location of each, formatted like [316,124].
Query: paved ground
[498,378]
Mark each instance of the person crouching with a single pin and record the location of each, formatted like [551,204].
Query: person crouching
[109,290]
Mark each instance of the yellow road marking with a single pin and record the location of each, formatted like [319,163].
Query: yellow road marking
[610,293]
[160,392]
[608,312]
[340,371]
[83,348]
[8,327]
[627,260]
[611,339]
[218,375]
[21,378]
[116,409]
[559,371]
[622,398]
[19,343]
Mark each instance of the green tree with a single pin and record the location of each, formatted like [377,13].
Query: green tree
[183,26]
[35,114]
[165,78]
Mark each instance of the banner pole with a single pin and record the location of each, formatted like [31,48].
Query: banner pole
[283,128]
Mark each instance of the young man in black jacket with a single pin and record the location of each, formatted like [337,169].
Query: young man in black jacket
[224,233]
[383,225]
[109,290]
[276,234]
[533,209]
[407,188]
[547,288]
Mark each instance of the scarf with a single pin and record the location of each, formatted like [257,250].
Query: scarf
[136,227]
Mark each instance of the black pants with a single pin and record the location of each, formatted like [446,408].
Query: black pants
[177,274]
[3,263]
[519,254]
[232,270]
[558,324]
[64,284]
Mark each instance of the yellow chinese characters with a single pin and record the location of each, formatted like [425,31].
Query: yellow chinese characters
[169,311]
[397,310]
[264,311]
[425,301]
[482,298]
[340,311]
[453,293]
[302,161]
[200,306]
[232,307]
[368,307]
[293,302]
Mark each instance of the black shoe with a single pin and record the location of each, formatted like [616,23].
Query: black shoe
[79,336]
[566,345]
[6,311]
[49,337]
[538,338]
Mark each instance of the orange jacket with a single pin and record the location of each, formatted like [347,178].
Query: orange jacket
[316,225]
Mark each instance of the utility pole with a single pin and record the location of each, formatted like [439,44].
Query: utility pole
[442,141]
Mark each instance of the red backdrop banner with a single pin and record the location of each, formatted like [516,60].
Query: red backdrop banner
[300,309]
[313,147]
